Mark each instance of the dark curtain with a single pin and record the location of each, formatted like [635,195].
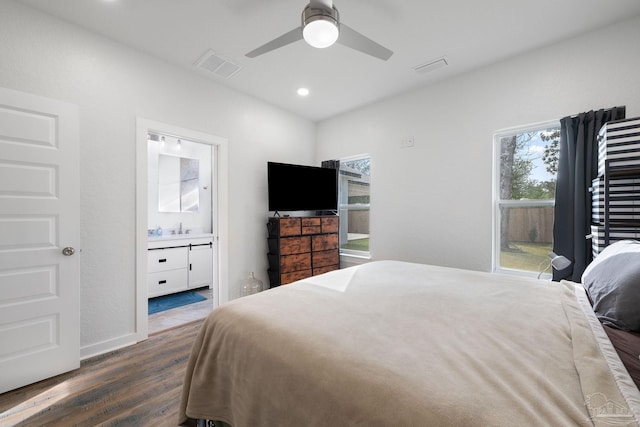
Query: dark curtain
[577,167]
[332,164]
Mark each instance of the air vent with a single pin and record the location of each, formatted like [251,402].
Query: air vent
[431,65]
[217,64]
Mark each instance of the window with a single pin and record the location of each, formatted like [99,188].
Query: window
[524,193]
[354,205]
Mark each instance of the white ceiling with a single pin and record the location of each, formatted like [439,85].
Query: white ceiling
[470,33]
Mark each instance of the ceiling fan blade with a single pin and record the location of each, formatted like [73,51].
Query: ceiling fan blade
[285,39]
[353,39]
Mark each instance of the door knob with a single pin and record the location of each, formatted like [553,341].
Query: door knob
[68,251]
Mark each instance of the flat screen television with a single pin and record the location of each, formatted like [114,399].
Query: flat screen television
[301,188]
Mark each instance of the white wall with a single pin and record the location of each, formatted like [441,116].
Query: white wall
[433,203]
[112,85]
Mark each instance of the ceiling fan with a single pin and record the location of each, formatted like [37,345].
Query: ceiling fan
[321,27]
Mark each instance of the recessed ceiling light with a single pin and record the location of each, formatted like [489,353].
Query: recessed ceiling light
[303,91]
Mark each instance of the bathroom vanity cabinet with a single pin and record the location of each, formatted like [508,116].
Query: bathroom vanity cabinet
[178,263]
[200,265]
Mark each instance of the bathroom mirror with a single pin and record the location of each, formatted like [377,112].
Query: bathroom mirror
[178,184]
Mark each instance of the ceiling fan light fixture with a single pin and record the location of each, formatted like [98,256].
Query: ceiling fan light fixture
[320,27]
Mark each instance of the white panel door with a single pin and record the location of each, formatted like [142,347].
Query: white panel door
[39,239]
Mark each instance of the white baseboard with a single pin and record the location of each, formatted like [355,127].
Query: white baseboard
[107,346]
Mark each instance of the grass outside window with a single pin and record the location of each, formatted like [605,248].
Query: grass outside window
[526,256]
[357,245]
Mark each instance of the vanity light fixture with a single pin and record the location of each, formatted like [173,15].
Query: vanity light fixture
[179,144]
[162,141]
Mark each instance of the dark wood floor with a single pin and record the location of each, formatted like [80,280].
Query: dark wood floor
[139,385]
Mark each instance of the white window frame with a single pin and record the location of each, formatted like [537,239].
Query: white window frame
[497,202]
[360,206]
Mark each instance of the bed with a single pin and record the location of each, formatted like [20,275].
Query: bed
[393,343]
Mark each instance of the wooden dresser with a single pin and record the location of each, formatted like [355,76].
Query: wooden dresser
[301,247]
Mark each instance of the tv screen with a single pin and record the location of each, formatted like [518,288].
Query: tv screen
[301,188]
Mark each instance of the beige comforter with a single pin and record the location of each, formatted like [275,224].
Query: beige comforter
[400,344]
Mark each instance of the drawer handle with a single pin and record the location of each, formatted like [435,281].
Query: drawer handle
[162,260]
[162,282]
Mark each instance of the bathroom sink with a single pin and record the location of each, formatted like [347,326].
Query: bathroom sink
[183,236]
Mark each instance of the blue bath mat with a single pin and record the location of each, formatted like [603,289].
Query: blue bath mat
[167,302]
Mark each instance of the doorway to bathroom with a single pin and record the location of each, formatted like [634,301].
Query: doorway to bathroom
[181,225]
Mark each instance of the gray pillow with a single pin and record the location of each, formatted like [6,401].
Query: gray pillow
[612,281]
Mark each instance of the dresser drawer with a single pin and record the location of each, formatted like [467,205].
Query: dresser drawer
[311,221]
[330,224]
[324,242]
[166,282]
[311,225]
[289,226]
[289,263]
[295,245]
[287,278]
[325,258]
[167,259]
